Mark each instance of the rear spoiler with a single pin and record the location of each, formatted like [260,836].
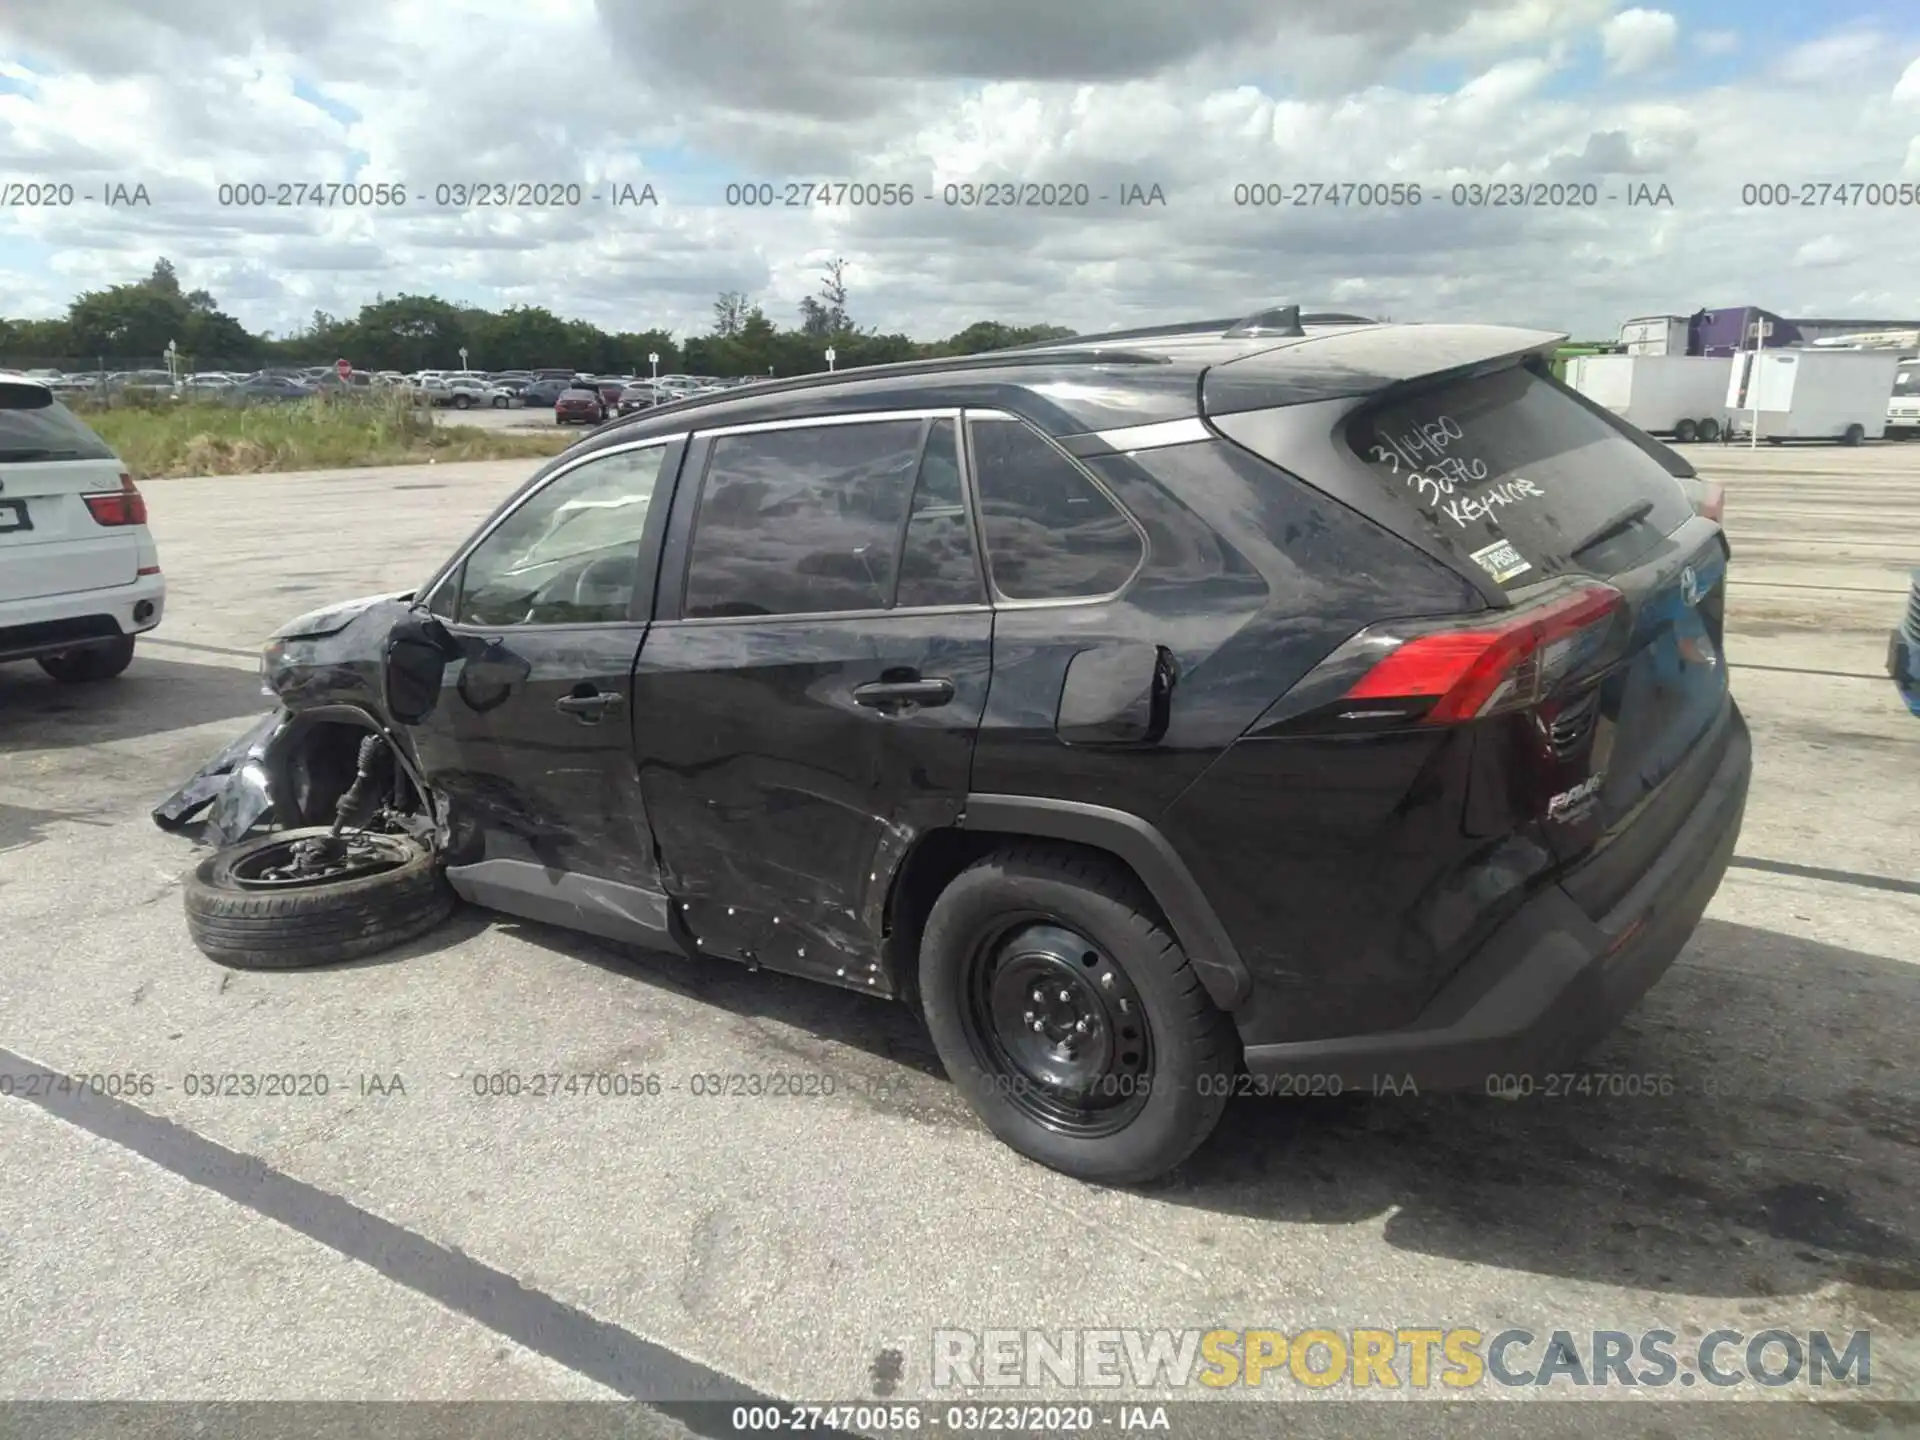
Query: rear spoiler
[1347,364]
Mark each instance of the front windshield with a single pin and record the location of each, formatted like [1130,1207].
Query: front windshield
[1906,380]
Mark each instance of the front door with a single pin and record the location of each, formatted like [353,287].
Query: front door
[531,742]
[807,699]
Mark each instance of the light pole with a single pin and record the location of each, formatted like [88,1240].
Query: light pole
[463,359]
[830,358]
[653,359]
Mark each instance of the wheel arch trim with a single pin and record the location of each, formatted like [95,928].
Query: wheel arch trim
[1153,859]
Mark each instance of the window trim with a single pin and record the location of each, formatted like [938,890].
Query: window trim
[697,495]
[1002,601]
[458,564]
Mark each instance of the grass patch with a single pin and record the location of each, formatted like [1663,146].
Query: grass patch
[161,437]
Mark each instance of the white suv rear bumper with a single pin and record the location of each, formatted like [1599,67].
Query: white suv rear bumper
[47,624]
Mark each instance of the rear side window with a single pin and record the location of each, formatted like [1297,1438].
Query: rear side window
[35,426]
[937,566]
[1051,533]
[1525,481]
[804,521]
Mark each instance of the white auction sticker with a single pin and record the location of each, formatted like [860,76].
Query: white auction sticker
[1501,561]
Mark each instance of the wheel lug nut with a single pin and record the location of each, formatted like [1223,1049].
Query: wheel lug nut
[1038,996]
[1106,982]
[1081,1027]
[1064,997]
[1038,1026]
[1029,1017]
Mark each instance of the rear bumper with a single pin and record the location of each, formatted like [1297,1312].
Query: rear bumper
[1551,982]
[48,624]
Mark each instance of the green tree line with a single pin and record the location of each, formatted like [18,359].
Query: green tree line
[130,325]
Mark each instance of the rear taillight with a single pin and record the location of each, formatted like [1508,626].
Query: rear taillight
[125,506]
[1711,501]
[1448,676]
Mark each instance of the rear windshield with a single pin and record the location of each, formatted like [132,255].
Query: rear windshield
[35,426]
[1523,479]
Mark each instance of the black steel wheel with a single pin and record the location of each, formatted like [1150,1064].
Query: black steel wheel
[1685,431]
[1052,1011]
[1069,1017]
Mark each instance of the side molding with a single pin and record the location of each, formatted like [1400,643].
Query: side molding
[1153,859]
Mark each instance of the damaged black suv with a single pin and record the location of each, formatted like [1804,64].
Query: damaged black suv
[1307,698]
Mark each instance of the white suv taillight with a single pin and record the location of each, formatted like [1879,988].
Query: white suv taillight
[125,506]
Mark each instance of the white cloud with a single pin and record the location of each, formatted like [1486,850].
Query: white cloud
[1825,250]
[1464,92]
[1636,40]
[1907,89]
[1716,42]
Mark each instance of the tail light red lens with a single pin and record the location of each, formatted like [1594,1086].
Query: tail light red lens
[125,506]
[1507,664]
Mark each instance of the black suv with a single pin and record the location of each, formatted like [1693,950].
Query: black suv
[1331,703]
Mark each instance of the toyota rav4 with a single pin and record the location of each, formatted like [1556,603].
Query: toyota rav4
[1308,697]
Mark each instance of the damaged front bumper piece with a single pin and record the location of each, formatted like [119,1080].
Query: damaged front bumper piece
[234,788]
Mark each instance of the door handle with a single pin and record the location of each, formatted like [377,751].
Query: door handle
[589,708]
[887,694]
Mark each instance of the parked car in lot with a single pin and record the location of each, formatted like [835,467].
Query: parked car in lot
[640,395]
[582,404]
[265,389]
[544,392]
[1903,648]
[1334,703]
[79,573]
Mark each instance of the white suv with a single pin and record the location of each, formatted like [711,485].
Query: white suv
[79,574]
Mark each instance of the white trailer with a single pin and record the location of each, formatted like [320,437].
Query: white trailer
[1655,335]
[1684,396]
[1805,394]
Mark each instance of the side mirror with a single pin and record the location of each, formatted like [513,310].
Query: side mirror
[418,649]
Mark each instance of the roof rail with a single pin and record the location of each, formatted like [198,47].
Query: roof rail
[985,360]
[1283,320]
[1227,327]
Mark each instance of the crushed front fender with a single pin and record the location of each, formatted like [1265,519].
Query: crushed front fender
[234,783]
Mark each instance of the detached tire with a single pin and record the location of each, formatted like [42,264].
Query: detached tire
[94,662]
[1055,935]
[291,927]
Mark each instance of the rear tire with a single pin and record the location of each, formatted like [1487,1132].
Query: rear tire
[1709,429]
[322,924]
[1853,435]
[1686,432]
[1142,1117]
[91,662]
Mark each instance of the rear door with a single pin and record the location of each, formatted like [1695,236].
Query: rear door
[807,700]
[50,544]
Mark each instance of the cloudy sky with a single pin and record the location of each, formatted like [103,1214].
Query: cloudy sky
[693,96]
